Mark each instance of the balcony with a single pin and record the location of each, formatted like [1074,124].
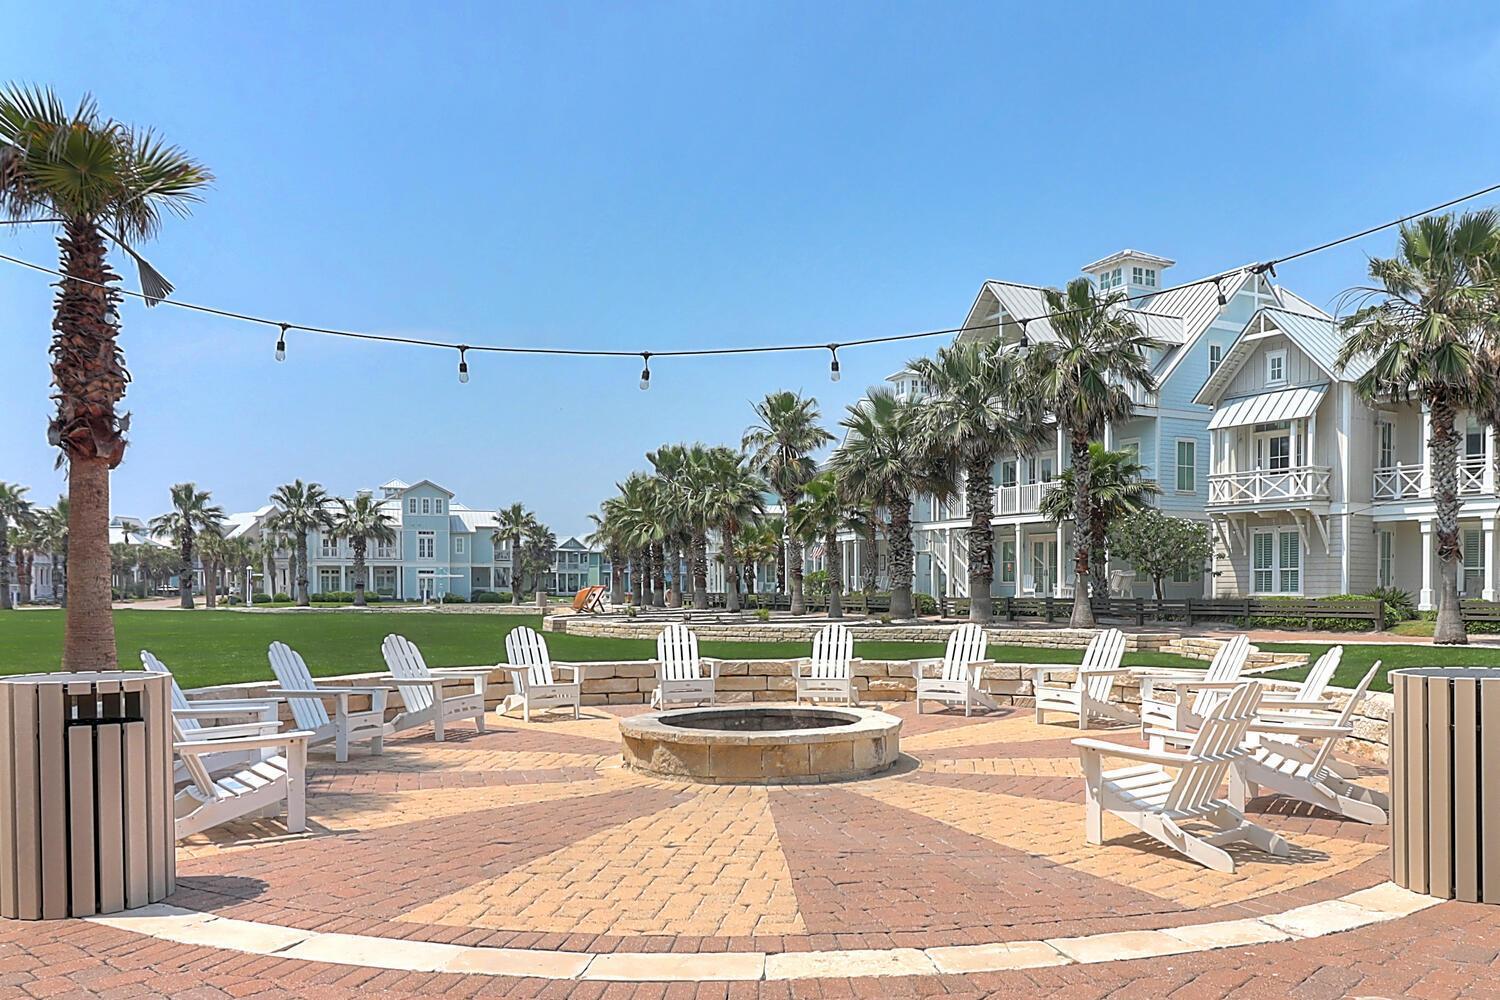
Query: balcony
[1294,485]
[1024,498]
[1406,482]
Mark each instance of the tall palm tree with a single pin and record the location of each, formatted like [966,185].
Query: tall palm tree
[362,521]
[53,534]
[301,508]
[763,542]
[606,534]
[192,514]
[99,181]
[1118,488]
[820,515]
[1086,376]
[240,556]
[631,513]
[977,409]
[728,498]
[212,554]
[670,464]
[1426,326]
[511,525]
[781,443]
[537,548]
[883,463]
[14,509]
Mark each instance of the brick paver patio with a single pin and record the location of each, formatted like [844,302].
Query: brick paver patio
[453,867]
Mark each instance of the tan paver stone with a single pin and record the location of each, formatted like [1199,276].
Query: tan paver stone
[237,935]
[157,919]
[519,962]
[1226,934]
[374,952]
[996,957]
[1390,898]
[1012,730]
[1119,945]
[849,964]
[669,967]
[1327,917]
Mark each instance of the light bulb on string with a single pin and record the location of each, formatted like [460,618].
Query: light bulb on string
[281,343]
[833,366]
[1220,289]
[646,370]
[463,364]
[1024,342]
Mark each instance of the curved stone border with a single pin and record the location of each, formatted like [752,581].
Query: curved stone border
[868,743]
[1377,904]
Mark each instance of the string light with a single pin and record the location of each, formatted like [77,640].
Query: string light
[463,364]
[646,370]
[1024,342]
[833,365]
[1220,290]
[281,343]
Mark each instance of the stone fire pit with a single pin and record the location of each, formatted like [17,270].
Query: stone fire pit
[762,744]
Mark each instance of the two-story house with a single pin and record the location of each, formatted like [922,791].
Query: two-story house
[1312,491]
[1194,327]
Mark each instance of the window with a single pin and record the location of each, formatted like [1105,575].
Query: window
[426,545]
[411,505]
[1385,444]
[1276,562]
[1150,281]
[1187,466]
[1115,278]
[458,546]
[1275,367]
[384,581]
[427,505]
[1215,355]
[437,505]
[1473,440]
[1008,472]
[385,550]
[1472,580]
[329,548]
[1008,562]
[1138,275]
[1182,574]
[1273,446]
[1047,469]
[1386,568]
[330,579]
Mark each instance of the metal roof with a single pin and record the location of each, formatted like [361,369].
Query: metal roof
[1292,302]
[1269,407]
[1320,339]
[395,484]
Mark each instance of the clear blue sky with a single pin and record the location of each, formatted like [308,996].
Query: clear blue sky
[646,175]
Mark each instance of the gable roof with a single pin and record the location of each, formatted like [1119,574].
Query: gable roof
[429,482]
[1318,337]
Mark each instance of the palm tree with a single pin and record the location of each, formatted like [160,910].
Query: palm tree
[302,507]
[1118,488]
[781,442]
[670,464]
[100,181]
[537,549]
[25,541]
[212,554]
[1086,377]
[606,534]
[763,542]
[192,514]
[511,525]
[631,514]
[53,531]
[362,521]
[14,509]
[728,497]
[818,519]
[977,410]
[883,463]
[240,556]
[1426,327]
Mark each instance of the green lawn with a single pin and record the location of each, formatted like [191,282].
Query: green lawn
[222,647]
[1357,659]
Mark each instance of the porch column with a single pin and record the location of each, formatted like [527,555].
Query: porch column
[1489,465]
[1062,567]
[1426,457]
[1487,526]
[1426,600]
[1021,561]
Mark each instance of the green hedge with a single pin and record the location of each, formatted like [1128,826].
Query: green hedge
[454,599]
[260,599]
[1393,615]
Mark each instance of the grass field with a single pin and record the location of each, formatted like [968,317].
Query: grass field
[1357,659]
[222,647]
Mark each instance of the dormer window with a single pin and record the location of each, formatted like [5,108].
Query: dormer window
[1275,367]
[1144,277]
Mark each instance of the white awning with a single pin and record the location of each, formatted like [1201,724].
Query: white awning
[1269,407]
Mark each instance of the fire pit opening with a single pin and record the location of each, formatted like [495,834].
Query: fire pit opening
[761,720]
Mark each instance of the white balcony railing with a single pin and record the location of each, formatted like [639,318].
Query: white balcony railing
[1024,498]
[1306,482]
[1404,482]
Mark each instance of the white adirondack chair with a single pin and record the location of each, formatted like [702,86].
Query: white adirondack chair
[1308,695]
[1293,758]
[210,799]
[260,717]
[826,676]
[1183,810]
[1088,695]
[1196,694]
[428,694]
[962,669]
[533,676]
[681,676]
[308,711]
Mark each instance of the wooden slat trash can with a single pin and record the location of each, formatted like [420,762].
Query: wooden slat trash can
[85,793]
[1445,782]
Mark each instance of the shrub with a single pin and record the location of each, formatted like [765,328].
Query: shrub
[281,598]
[1321,624]
[486,597]
[924,604]
[1397,601]
[454,599]
[332,597]
[764,614]
[261,599]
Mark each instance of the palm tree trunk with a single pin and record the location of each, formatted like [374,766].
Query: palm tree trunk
[781,566]
[1443,440]
[794,559]
[515,569]
[638,574]
[89,642]
[359,572]
[616,578]
[658,571]
[301,571]
[210,584]
[731,571]
[5,604]
[901,555]
[869,555]
[1083,611]
[835,561]
[674,589]
[979,491]
[185,575]
[700,569]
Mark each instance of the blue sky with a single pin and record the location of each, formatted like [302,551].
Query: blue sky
[650,176]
